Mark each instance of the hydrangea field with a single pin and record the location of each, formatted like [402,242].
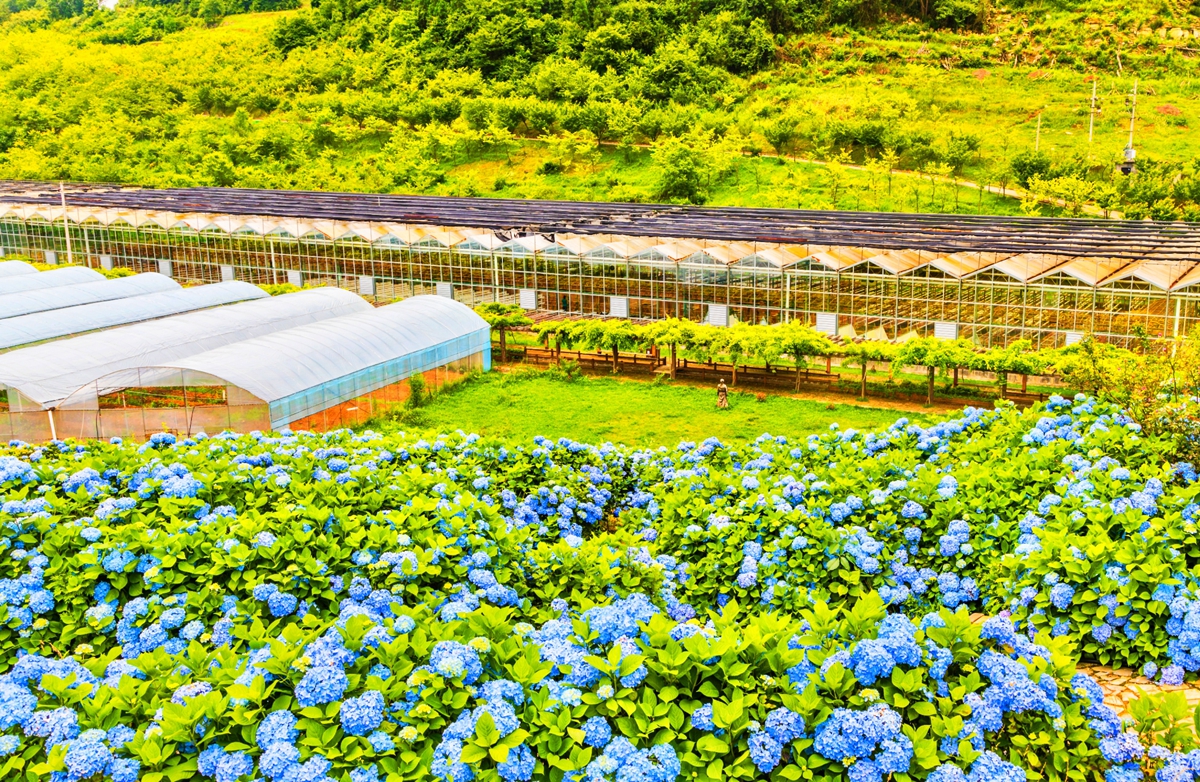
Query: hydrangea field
[907,604]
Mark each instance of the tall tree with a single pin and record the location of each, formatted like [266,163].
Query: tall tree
[503,318]
[801,342]
[862,354]
[672,332]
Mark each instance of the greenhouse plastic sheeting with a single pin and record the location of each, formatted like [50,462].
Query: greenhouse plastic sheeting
[42,326]
[307,369]
[13,268]
[28,302]
[47,374]
[68,275]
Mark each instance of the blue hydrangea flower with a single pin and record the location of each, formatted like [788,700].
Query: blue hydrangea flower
[518,766]
[765,751]
[321,684]
[277,727]
[597,732]
[363,714]
[381,742]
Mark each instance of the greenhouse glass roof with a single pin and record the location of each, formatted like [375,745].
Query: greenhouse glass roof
[304,370]
[68,275]
[41,326]
[47,374]
[329,215]
[28,302]
[1163,254]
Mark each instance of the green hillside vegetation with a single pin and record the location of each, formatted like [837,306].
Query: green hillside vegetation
[721,102]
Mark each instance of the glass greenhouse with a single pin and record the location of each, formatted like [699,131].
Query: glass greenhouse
[989,279]
[333,373]
[36,381]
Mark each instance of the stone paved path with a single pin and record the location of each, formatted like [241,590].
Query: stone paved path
[1124,685]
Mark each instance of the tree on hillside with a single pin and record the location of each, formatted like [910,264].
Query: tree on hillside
[1028,164]
[293,32]
[502,318]
[570,149]
[682,170]
[780,134]
[838,176]
[890,158]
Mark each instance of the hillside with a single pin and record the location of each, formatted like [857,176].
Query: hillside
[714,102]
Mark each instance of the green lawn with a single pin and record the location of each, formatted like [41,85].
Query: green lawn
[597,410]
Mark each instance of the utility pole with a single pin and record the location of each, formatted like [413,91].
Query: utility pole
[1127,167]
[1037,139]
[1132,113]
[62,196]
[1092,113]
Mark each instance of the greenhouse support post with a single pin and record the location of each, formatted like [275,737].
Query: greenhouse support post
[62,195]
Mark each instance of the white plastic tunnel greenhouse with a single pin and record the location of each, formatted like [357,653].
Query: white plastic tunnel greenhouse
[35,381]
[28,302]
[55,278]
[338,372]
[53,324]
[15,268]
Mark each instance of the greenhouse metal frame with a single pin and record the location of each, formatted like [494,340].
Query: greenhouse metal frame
[990,279]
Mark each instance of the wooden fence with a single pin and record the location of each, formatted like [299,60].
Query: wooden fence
[780,377]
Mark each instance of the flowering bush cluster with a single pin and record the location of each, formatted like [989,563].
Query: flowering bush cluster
[347,606]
